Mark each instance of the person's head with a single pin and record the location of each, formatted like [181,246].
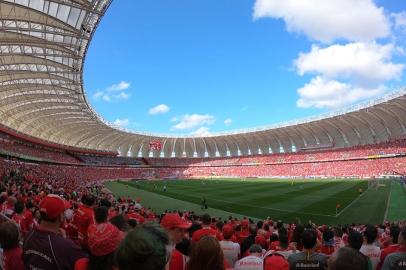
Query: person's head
[370,234]
[328,237]
[283,240]
[402,237]
[255,250]
[252,229]
[9,235]
[274,237]
[206,219]
[19,207]
[228,231]
[394,233]
[52,210]
[119,222]
[297,234]
[103,242]
[175,226]
[206,254]
[355,240]
[309,238]
[100,214]
[348,258]
[88,199]
[144,248]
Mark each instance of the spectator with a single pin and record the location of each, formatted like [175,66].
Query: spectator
[176,228]
[283,248]
[104,239]
[253,261]
[368,248]
[144,248]
[328,242]
[9,242]
[206,229]
[308,257]
[355,240]
[84,217]
[393,245]
[249,241]
[230,249]
[397,260]
[206,254]
[348,258]
[44,248]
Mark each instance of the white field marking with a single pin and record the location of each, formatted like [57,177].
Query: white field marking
[349,205]
[256,206]
[388,202]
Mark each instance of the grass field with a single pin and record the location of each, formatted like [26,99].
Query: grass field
[288,200]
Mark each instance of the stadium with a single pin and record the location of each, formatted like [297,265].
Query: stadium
[342,167]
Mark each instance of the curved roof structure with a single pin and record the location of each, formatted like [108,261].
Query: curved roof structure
[43,45]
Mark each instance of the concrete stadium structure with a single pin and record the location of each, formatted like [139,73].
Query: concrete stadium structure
[43,45]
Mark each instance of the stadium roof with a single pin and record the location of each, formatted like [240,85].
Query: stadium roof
[43,45]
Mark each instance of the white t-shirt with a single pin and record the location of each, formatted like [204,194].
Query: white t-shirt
[373,252]
[284,253]
[231,251]
[249,263]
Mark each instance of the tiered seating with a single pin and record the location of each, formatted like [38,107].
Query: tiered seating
[110,160]
[14,147]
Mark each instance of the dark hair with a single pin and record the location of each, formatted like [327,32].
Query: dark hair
[309,238]
[105,262]
[9,235]
[206,220]
[297,234]
[328,235]
[338,232]
[355,240]
[370,234]
[348,258]
[274,237]
[206,254]
[394,233]
[119,222]
[252,229]
[100,214]
[283,240]
[132,223]
[19,207]
[88,199]
[260,224]
[105,202]
[144,248]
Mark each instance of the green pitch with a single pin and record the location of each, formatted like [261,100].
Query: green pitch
[287,200]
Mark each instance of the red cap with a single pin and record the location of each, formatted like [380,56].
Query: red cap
[52,205]
[104,239]
[170,221]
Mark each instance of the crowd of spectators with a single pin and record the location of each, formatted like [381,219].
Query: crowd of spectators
[47,226]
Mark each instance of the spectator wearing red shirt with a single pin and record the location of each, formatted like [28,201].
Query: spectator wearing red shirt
[393,245]
[206,229]
[27,222]
[83,218]
[176,228]
[9,242]
[104,239]
[18,215]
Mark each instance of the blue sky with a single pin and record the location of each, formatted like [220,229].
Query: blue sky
[199,67]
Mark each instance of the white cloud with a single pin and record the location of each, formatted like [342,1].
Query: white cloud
[228,121]
[400,20]
[328,20]
[121,122]
[191,121]
[114,92]
[201,132]
[160,109]
[324,93]
[364,63]
[123,85]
